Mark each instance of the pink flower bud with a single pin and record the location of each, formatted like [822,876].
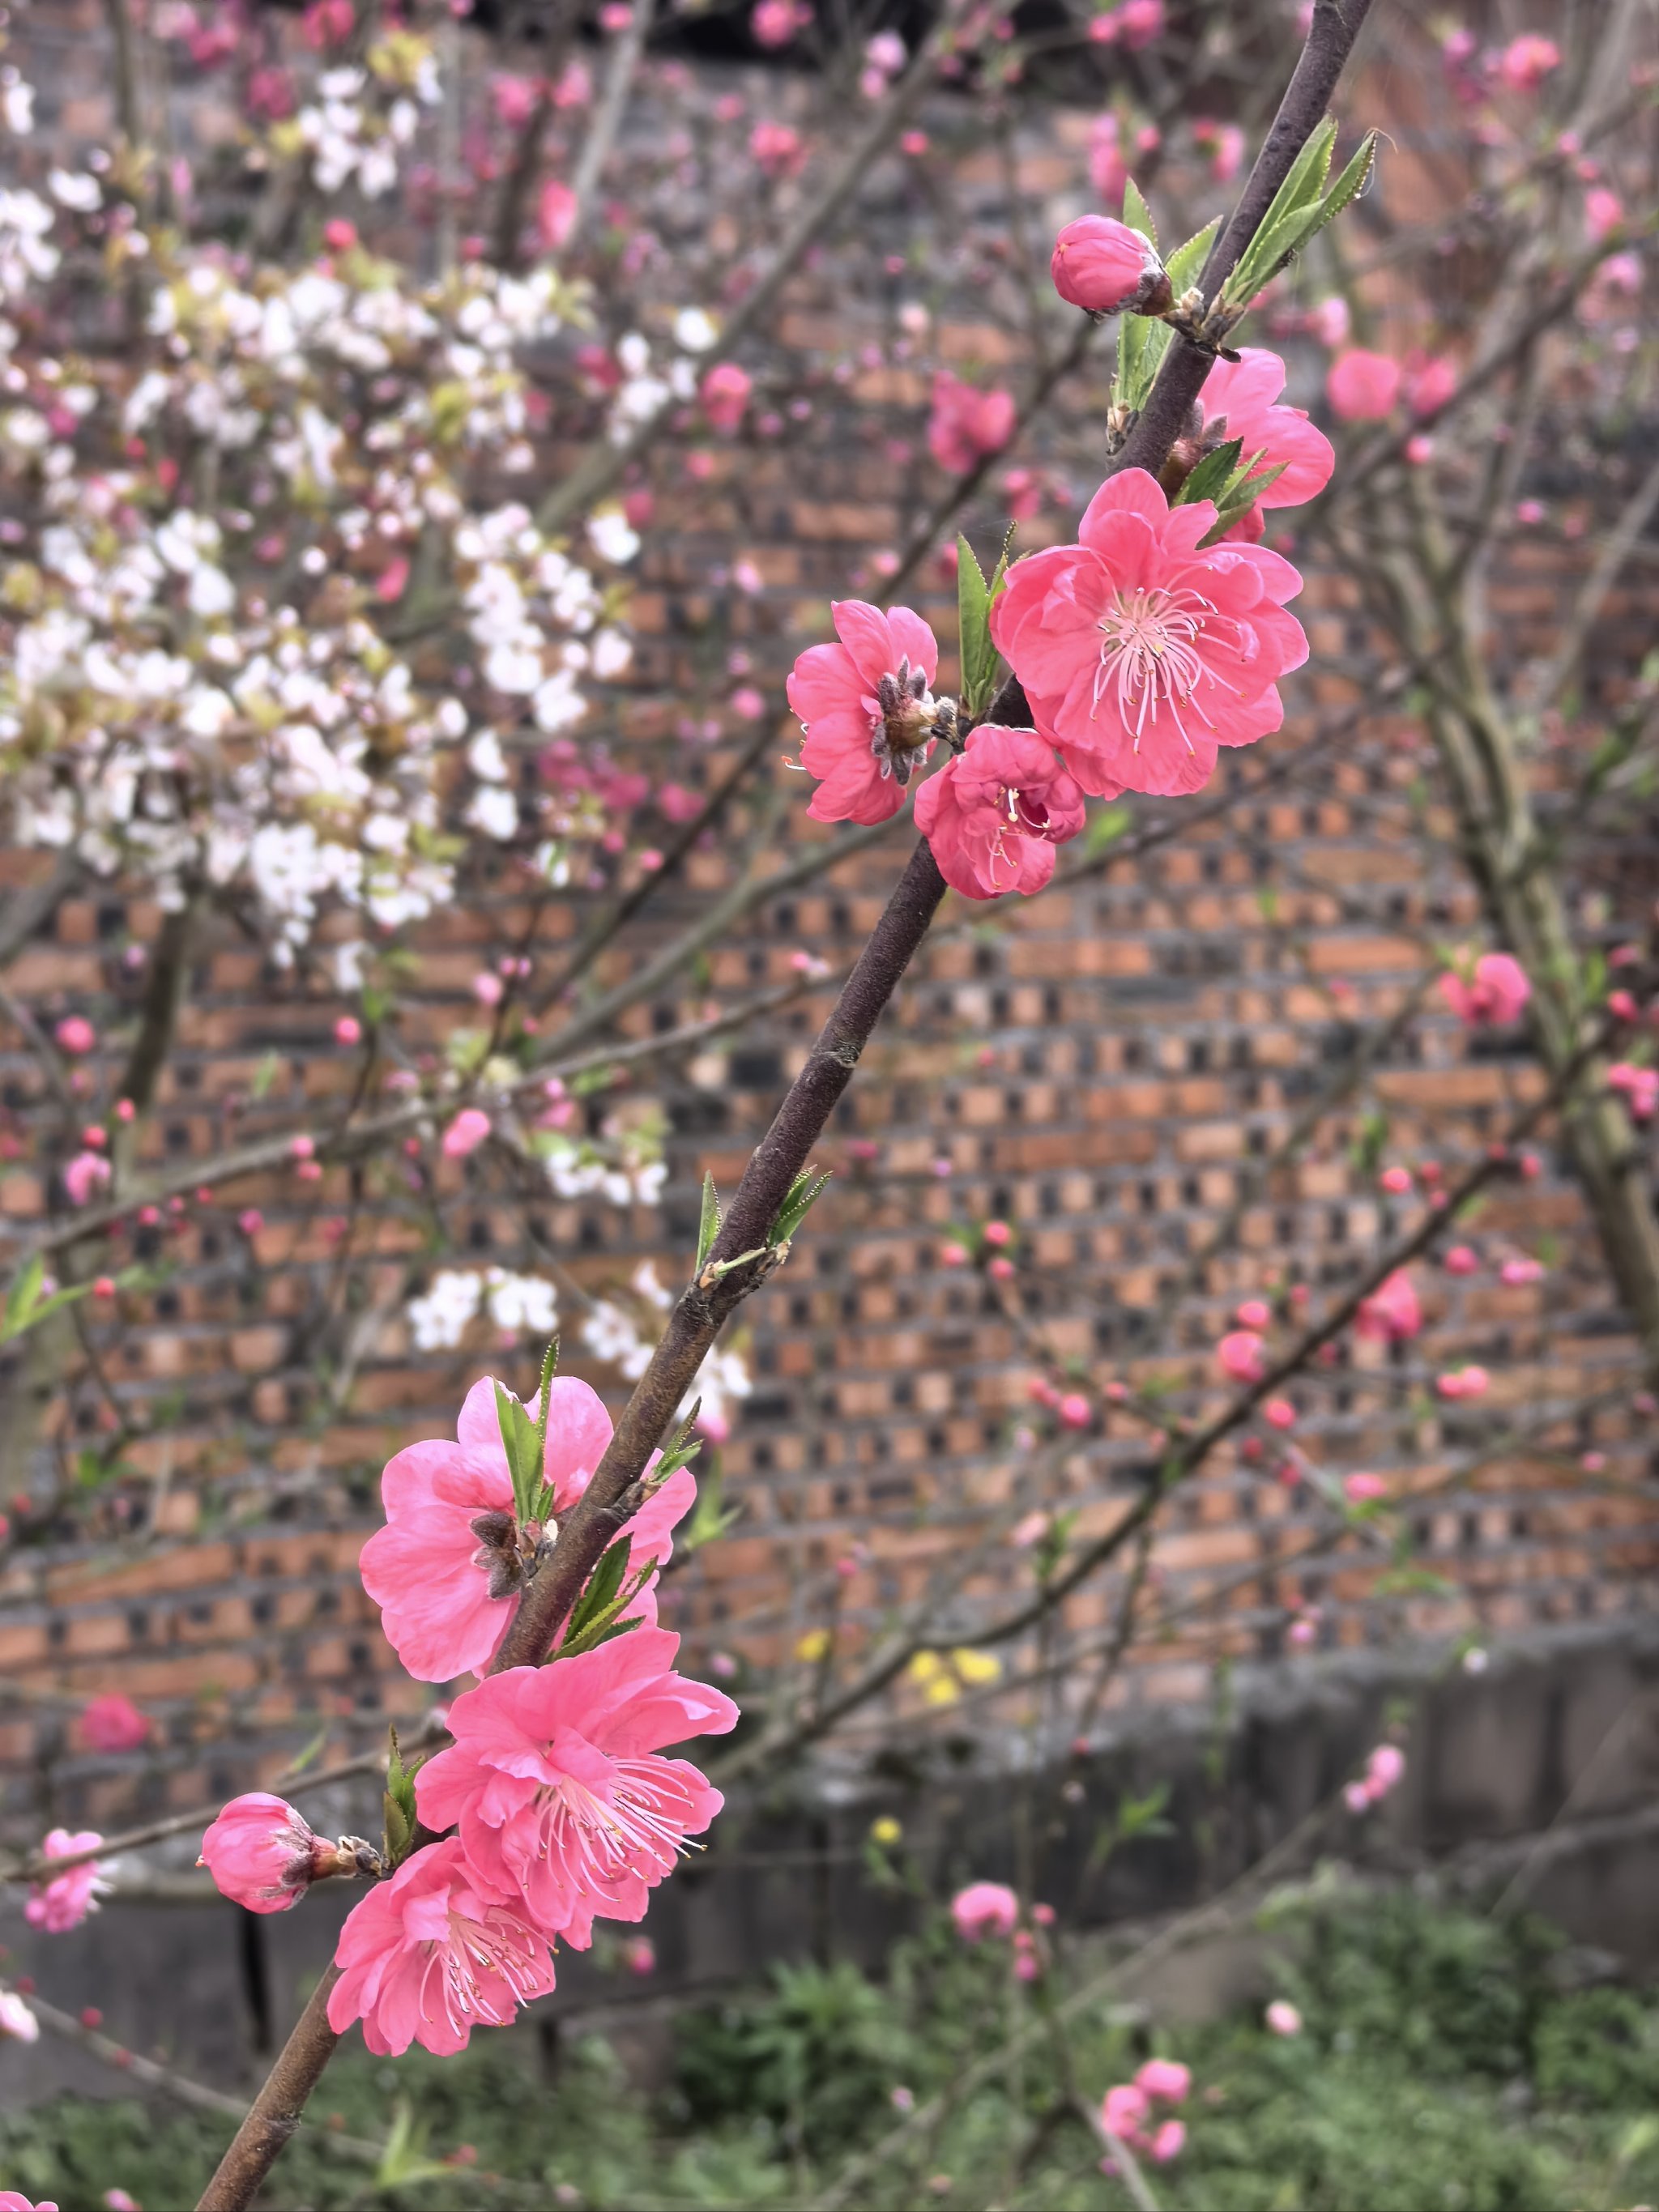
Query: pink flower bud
[1283,2018]
[1241,1356]
[997,1233]
[1001,1269]
[1279,1413]
[112,1723]
[1123,2108]
[1461,1260]
[1395,1181]
[1254,1313]
[1075,1410]
[465,1133]
[1363,387]
[75,1035]
[1361,1489]
[1169,2143]
[1101,265]
[261,1854]
[348,1031]
[1166,2078]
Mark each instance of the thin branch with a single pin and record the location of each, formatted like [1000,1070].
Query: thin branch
[625,58]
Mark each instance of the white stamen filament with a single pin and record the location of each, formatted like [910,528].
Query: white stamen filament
[1149,652]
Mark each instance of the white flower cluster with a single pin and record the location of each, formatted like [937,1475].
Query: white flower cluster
[352,142]
[199,681]
[578,1169]
[616,1336]
[518,1305]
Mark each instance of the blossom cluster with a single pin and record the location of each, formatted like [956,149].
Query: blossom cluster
[554,1803]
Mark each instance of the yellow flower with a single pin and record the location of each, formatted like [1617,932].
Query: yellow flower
[976,1667]
[925,1666]
[813,1645]
[942,1692]
[886,1830]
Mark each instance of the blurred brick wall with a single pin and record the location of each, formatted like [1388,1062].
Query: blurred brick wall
[1150,1031]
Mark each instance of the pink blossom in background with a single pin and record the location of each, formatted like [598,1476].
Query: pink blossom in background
[1254,1313]
[261,1853]
[1169,2141]
[1165,2077]
[1030,1530]
[1108,172]
[111,1722]
[1461,1260]
[558,1784]
[1526,61]
[1137,23]
[1603,212]
[1638,1087]
[1495,991]
[1224,144]
[1363,1489]
[1123,2108]
[1384,1771]
[724,393]
[555,214]
[774,23]
[1463,1383]
[1283,2018]
[13,2200]
[444,1569]
[1362,386]
[1392,1313]
[866,709]
[1430,381]
[575,88]
[966,424]
[640,1955]
[1240,399]
[63,1901]
[1142,653]
[85,1176]
[514,99]
[75,1035]
[1101,264]
[1279,1413]
[985,1908]
[1330,321]
[995,812]
[465,1133]
[1241,1356]
[348,1031]
[433,1953]
[1396,1180]
[16,2021]
[777,149]
[1519,1271]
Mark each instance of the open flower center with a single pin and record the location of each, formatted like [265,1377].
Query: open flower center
[905,718]
[1150,656]
[499,1944]
[598,1836]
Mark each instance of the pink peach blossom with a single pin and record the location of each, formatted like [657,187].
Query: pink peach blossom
[1521,1270]
[261,1854]
[1362,386]
[725,393]
[1283,2018]
[1241,1355]
[431,1954]
[1392,1313]
[465,1133]
[1363,1489]
[446,1571]
[1432,381]
[1166,2078]
[111,1722]
[557,1782]
[85,1174]
[1396,1180]
[1638,1085]
[1463,1383]
[1108,172]
[776,149]
[76,1035]
[1384,1770]
[1123,2108]
[65,1900]
[1101,264]
[995,812]
[1141,652]
[13,2200]
[967,424]
[985,1908]
[1074,1410]
[1169,2143]
[555,214]
[1494,992]
[1254,1313]
[1240,399]
[1526,61]
[1461,1260]
[867,710]
[1603,212]
[1279,1413]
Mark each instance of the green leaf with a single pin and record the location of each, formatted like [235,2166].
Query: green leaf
[1137,214]
[403,2156]
[1349,185]
[523,1446]
[1213,475]
[600,1594]
[711,1517]
[265,1074]
[681,1450]
[981,664]
[1186,262]
[549,1363]
[1106,827]
[803,1194]
[22,1298]
[708,1224]
[1291,222]
[298,1764]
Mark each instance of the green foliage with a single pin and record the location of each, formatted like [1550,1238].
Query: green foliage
[1441,2068]
[981,667]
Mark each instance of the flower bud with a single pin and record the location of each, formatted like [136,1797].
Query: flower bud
[263,1853]
[1102,265]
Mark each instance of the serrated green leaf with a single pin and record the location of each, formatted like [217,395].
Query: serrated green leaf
[1137,214]
[544,1409]
[1351,182]
[708,1222]
[1213,475]
[1187,261]
[523,1446]
[1287,227]
[710,1518]
[803,1194]
[602,1584]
